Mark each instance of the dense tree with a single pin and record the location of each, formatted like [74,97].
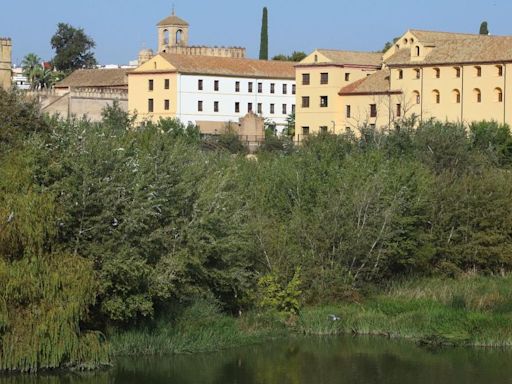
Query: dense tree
[31,65]
[295,56]
[484,28]
[264,35]
[73,48]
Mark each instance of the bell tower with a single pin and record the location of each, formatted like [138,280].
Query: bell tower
[172,32]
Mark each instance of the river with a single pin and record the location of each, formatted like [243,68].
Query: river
[350,360]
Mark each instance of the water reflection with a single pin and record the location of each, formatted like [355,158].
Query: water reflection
[305,361]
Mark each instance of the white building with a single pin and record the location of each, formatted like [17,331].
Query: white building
[202,89]
[19,80]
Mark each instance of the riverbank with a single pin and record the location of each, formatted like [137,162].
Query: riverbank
[470,311]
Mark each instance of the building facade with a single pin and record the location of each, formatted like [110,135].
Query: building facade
[205,90]
[431,75]
[319,78]
[5,63]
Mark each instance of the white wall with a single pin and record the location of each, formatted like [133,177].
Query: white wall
[189,95]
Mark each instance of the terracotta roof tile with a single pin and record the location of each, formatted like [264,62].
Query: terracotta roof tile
[224,66]
[172,20]
[352,57]
[453,48]
[376,83]
[95,78]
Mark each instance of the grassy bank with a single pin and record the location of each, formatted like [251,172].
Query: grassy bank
[471,311]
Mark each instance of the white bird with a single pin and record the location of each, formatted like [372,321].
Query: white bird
[334,318]
[10,217]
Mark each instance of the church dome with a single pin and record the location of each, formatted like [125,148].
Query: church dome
[172,20]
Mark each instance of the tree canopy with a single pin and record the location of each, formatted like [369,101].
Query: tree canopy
[73,48]
[295,56]
[484,28]
[264,35]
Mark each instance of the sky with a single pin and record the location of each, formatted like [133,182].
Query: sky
[121,28]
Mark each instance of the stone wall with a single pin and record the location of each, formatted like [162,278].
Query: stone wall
[233,52]
[80,102]
[5,63]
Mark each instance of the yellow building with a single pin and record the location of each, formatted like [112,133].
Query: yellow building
[5,63]
[447,76]
[211,91]
[319,78]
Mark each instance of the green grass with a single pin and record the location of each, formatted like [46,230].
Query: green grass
[471,311]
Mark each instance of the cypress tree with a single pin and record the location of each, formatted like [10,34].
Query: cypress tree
[264,35]
[484,29]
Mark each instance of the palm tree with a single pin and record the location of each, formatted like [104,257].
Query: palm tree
[31,65]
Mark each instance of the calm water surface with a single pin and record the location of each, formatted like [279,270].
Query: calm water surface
[305,361]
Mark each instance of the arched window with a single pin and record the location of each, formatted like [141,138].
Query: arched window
[412,40]
[437,73]
[436,96]
[400,74]
[397,46]
[499,95]
[166,37]
[457,71]
[478,95]
[478,71]
[406,41]
[456,96]
[417,73]
[499,70]
[418,51]
[416,97]
[316,58]
[179,36]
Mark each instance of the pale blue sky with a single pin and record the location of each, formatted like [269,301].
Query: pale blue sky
[121,27]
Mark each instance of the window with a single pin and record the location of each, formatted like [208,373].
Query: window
[457,72]
[150,85]
[305,79]
[249,107]
[347,76]
[499,69]
[437,73]
[324,101]
[456,96]
[260,108]
[400,74]
[499,95]
[478,71]
[249,87]
[305,101]
[293,89]
[305,131]
[324,78]
[272,88]
[272,109]
[348,111]
[398,110]
[151,105]
[416,97]
[478,95]
[167,84]
[316,58]
[323,129]
[285,89]
[417,73]
[237,107]
[215,106]
[237,86]
[373,110]
[200,106]
[216,85]
[436,96]
[285,109]
[418,51]
[293,108]
[260,87]
[166,105]
[200,85]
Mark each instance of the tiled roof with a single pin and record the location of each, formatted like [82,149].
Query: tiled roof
[454,48]
[376,83]
[352,57]
[95,78]
[225,66]
[172,20]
